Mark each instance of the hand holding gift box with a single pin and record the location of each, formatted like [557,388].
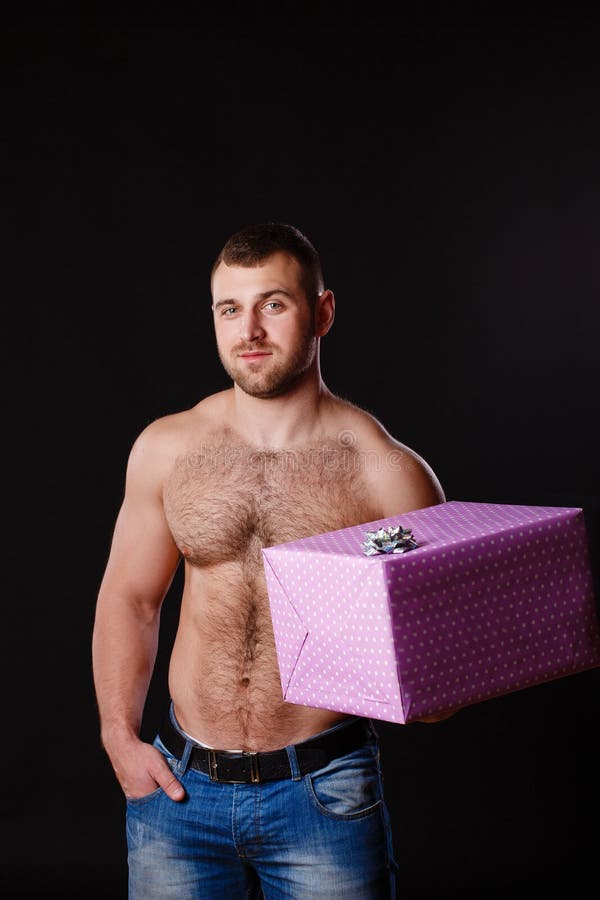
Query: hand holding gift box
[492,599]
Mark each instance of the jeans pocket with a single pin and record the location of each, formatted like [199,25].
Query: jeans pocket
[138,801]
[349,787]
[172,763]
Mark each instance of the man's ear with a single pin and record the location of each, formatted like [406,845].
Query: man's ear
[324,313]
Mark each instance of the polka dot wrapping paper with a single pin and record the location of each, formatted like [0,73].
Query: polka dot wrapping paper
[495,598]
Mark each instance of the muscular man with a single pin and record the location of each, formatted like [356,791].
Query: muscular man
[242,794]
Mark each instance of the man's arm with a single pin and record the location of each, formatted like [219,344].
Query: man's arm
[404,481]
[142,562]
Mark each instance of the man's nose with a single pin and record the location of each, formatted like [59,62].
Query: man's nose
[250,327]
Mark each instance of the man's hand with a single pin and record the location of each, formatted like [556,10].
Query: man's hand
[438,717]
[141,768]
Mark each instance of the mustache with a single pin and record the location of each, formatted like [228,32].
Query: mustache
[253,348]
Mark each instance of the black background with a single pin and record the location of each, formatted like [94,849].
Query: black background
[447,168]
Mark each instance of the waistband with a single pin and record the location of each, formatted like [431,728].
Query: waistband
[270,765]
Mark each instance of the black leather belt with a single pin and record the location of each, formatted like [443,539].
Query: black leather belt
[242,768]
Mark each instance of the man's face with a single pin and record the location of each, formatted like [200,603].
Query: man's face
[263,325]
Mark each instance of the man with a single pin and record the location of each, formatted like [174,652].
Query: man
[242,793]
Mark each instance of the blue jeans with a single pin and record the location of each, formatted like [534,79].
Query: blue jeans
[323,835]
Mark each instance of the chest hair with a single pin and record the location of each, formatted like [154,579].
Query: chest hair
[224,502]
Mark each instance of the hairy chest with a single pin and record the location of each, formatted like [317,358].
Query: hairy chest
[225,503]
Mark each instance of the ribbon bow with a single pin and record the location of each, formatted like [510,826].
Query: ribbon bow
[394,539]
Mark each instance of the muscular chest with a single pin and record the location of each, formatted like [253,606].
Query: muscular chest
[225,503]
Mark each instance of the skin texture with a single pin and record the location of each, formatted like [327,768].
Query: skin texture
[276,457]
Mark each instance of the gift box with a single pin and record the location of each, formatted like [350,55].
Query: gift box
[493,598]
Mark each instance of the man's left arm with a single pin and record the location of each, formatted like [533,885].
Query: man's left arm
[404,481]
[401,479]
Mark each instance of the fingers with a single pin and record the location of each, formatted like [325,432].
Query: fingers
[167,781]
[174,789]
[439,717]
[142,770]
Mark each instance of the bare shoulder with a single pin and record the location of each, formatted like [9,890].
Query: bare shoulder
[163,440]
[399,477]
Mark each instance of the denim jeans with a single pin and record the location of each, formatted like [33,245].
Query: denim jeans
[325,835]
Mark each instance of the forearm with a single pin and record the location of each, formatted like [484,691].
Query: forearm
[124,647]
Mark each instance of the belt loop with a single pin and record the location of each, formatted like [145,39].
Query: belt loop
[181,767]
[293,758]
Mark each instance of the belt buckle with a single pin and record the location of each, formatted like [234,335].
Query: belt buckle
[254,770]
[212,765]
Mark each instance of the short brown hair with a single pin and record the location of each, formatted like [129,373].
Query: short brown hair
[253,244]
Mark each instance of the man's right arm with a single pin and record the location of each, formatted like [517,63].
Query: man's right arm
[142,562]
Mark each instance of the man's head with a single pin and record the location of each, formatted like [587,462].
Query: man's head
[252,245]
[269,308]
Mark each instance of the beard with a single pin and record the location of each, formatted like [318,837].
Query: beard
[278,375]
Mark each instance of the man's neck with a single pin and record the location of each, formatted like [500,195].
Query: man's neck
[294,418]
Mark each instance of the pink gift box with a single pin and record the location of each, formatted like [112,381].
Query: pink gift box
[495,598]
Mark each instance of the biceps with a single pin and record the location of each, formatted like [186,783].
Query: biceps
[143,555]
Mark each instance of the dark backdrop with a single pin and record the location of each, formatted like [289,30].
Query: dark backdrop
[447,169]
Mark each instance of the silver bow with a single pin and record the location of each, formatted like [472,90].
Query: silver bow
[394,539]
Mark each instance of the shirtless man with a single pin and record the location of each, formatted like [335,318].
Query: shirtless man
[242,794]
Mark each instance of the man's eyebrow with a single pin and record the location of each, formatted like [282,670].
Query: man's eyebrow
[264,295]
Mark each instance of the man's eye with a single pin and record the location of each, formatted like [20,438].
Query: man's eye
[274,303]
[229,309]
